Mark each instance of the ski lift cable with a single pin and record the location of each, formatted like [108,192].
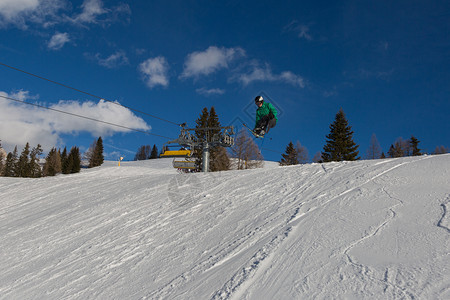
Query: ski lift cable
[84,117]
[98,97]
[89,94]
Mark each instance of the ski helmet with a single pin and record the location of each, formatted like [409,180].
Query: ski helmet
[259,99]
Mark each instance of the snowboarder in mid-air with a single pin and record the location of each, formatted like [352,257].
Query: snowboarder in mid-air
[266,117]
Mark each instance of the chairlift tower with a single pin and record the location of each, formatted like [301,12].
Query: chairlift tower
[222,138]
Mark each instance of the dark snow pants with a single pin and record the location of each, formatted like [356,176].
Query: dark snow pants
[267,122]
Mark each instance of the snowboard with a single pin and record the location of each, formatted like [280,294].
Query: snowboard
[252,132]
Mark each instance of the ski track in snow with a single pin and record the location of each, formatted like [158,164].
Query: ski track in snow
[225,293]
[257,264]
[337,230]
[444,222]
[241,245]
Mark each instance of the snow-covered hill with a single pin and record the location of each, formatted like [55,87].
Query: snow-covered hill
[351,230]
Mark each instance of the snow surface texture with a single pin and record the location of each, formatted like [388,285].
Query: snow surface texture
[351,230]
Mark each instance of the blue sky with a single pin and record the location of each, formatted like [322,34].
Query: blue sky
[386,63]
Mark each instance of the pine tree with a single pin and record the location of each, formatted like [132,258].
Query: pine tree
[74,160]
[340,145]
[213,121]
[99,157]
[218,157]
[374,151]
[35,167]
[10,164]
[395,151]
[141,154]
[290,157]
[414,142]
[154,153]
[391,151]
[66,165]
[52,164]
[202,122]
[201,135]
[23,164]
[97,154]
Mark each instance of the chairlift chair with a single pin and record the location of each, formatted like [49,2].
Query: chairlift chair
[182,158]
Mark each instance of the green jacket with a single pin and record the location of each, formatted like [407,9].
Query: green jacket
[265,109]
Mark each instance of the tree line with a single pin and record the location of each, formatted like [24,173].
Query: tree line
[28,163]
[245,154]
[146,152]
[340,146]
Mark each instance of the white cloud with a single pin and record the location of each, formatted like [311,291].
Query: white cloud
[102,110]
[93,11]
[210,92]
[258,73]
[155,71]
[210,60]
[58,40]
[20,12]
[301,30]
[213,59]
[330,93]
[114,60]
[20,123]
[19,95]
[291,78]
[11,8]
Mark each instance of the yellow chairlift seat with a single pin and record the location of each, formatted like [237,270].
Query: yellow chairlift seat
[181,158]
[176,153]
[180,152]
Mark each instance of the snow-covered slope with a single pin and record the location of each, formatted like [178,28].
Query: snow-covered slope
[360,230]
